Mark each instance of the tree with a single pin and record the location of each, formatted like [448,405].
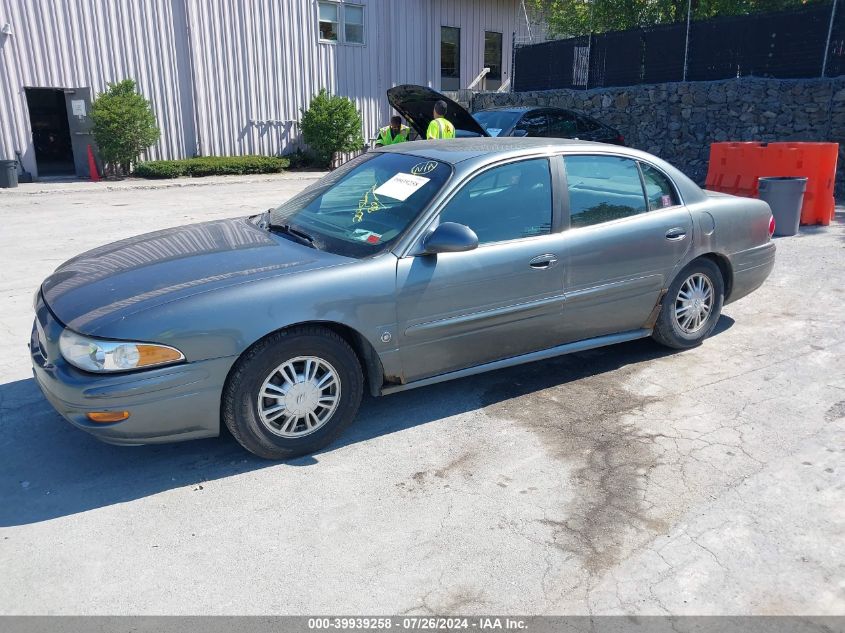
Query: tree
[124,125]
[331,124]
[570,18]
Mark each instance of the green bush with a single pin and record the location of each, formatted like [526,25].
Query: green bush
[211,166]
[124,126]
[160,169]
[331,124]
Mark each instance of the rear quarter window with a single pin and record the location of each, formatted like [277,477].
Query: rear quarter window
[660,191]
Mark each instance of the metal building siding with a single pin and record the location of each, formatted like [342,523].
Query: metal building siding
[257,64]
[79,43]
[229,76]
[474,17]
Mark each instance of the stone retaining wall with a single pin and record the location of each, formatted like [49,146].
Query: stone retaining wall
[678,121]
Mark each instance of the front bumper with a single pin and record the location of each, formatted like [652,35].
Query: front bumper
[168,404]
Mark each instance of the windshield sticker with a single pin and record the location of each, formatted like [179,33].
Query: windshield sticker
[494,131]
[369,202]
[421,169]
[365,236]
[401,186]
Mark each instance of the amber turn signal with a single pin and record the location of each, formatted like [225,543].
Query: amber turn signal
[156,355]
[107,416]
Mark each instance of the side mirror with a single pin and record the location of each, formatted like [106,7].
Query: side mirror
[450,237]
[519,133]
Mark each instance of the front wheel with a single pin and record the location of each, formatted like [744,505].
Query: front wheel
[293,393]
[691,307]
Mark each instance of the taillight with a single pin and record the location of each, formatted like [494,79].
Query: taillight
[620,140]
[771,226]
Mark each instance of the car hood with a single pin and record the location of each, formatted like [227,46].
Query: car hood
[122,278]
[416,105]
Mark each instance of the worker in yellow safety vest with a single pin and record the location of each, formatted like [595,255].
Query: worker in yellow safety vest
[440,126]
[393,133]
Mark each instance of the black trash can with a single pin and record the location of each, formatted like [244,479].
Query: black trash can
[785,195]
[8,174]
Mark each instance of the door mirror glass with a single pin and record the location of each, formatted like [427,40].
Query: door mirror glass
[450,237]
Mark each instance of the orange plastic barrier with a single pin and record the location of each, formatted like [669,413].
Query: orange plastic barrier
[735,167]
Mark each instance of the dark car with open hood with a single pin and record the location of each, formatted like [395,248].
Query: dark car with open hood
[416,104]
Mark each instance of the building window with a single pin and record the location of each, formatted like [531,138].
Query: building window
[493,55]
[450,58]
[328,21]
[353,23]
[342,23]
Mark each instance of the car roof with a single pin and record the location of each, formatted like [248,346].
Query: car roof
[457,150]
[472,153]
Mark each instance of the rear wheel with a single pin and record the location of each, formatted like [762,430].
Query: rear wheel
[691,307]
[293,393]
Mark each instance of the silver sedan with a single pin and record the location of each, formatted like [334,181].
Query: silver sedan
[408,266]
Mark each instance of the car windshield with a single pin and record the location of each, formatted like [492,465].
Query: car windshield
[362,208]
[496,121]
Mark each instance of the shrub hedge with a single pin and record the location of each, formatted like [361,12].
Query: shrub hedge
[211,166]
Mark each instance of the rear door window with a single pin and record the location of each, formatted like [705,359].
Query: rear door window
[602,189]
[586,124]
[562,125]
[534,124]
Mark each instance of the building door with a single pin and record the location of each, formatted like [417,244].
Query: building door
[78,109]
[50,131]
[61,130]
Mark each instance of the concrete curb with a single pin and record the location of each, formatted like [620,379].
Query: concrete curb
[86,186]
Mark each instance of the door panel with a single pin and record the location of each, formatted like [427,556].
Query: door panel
[619,255]
[615,271]
[78,104]
[457,310]
[501,299]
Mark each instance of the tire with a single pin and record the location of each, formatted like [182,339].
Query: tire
[276,366]
[670,330]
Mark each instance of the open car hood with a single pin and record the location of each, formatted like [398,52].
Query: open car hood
[416,105]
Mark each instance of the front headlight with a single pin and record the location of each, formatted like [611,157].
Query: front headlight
[101,356]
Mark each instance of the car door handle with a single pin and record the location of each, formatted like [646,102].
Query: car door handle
[676,234]
[541,262]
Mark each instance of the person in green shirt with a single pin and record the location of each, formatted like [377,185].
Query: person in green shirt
[440,126]
[393,133]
